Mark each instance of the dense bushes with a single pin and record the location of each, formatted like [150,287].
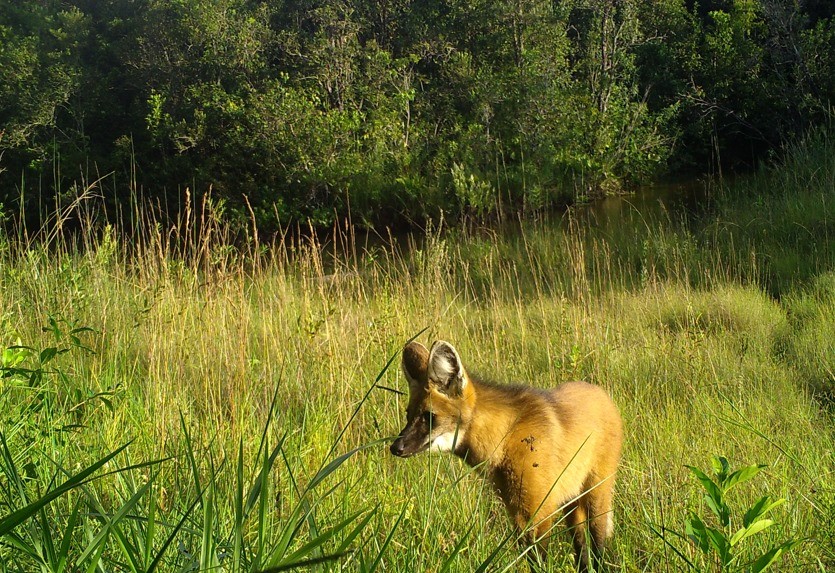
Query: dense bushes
[396,111]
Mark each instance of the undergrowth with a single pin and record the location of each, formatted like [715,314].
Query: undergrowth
[174,399]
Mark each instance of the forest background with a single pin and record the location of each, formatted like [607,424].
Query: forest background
[395,111]
[182,389]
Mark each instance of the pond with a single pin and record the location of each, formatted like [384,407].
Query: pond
[621,221]
[686,203]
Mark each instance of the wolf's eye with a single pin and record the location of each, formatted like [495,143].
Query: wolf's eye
[429,418]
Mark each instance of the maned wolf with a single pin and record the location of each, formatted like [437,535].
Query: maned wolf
[544,450]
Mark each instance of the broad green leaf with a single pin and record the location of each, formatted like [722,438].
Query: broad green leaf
[720,510]
[81,329]
[772,555]
[741,475]
[767,560]
[713,490]
[14,355]
[752,529]
[720,543]
[760,508]
[721,467]
[47,354]
[696,530]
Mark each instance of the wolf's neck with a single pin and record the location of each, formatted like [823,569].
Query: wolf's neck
[486,424]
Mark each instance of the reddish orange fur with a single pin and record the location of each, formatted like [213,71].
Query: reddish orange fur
[546,451]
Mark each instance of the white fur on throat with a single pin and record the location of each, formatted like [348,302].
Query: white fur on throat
[446,442]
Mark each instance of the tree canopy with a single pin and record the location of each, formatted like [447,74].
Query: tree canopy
[396,110]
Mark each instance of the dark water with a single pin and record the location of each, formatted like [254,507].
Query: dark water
[687,203]
[682,204]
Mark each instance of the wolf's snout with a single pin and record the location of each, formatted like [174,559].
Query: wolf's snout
[397,448]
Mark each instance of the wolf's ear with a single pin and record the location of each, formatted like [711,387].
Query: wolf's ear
[415,363]
[445,368]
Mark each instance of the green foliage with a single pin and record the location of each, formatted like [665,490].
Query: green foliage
[40,66]
[721,539]
[395,112]
[811,345]
[249,382]
[83,524]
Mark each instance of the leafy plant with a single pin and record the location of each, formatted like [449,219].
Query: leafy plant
[720,537]
[60,520]
[66,336]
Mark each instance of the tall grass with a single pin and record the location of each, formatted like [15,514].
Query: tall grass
[246,391]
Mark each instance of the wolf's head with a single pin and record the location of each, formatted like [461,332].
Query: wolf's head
[437,382]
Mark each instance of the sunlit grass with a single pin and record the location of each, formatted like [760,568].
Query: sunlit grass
[193,339]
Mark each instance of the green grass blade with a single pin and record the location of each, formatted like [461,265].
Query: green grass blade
[44,532]
[262,444]
[303,564]
[301,514]
[450,559]
[379,558]
[338,461]
[95,560]
[150,531]
[195,473]
[661,535]
[130,550]
[14,519]
[64,549]
[349,539]
[208,555]
[318,542]
[259,494]
[171,536]
[113,521]
[12,474]
[495,553]
[356,411]
[304,508]
[16,541]
[291,528]
[238,527]
[262,479]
